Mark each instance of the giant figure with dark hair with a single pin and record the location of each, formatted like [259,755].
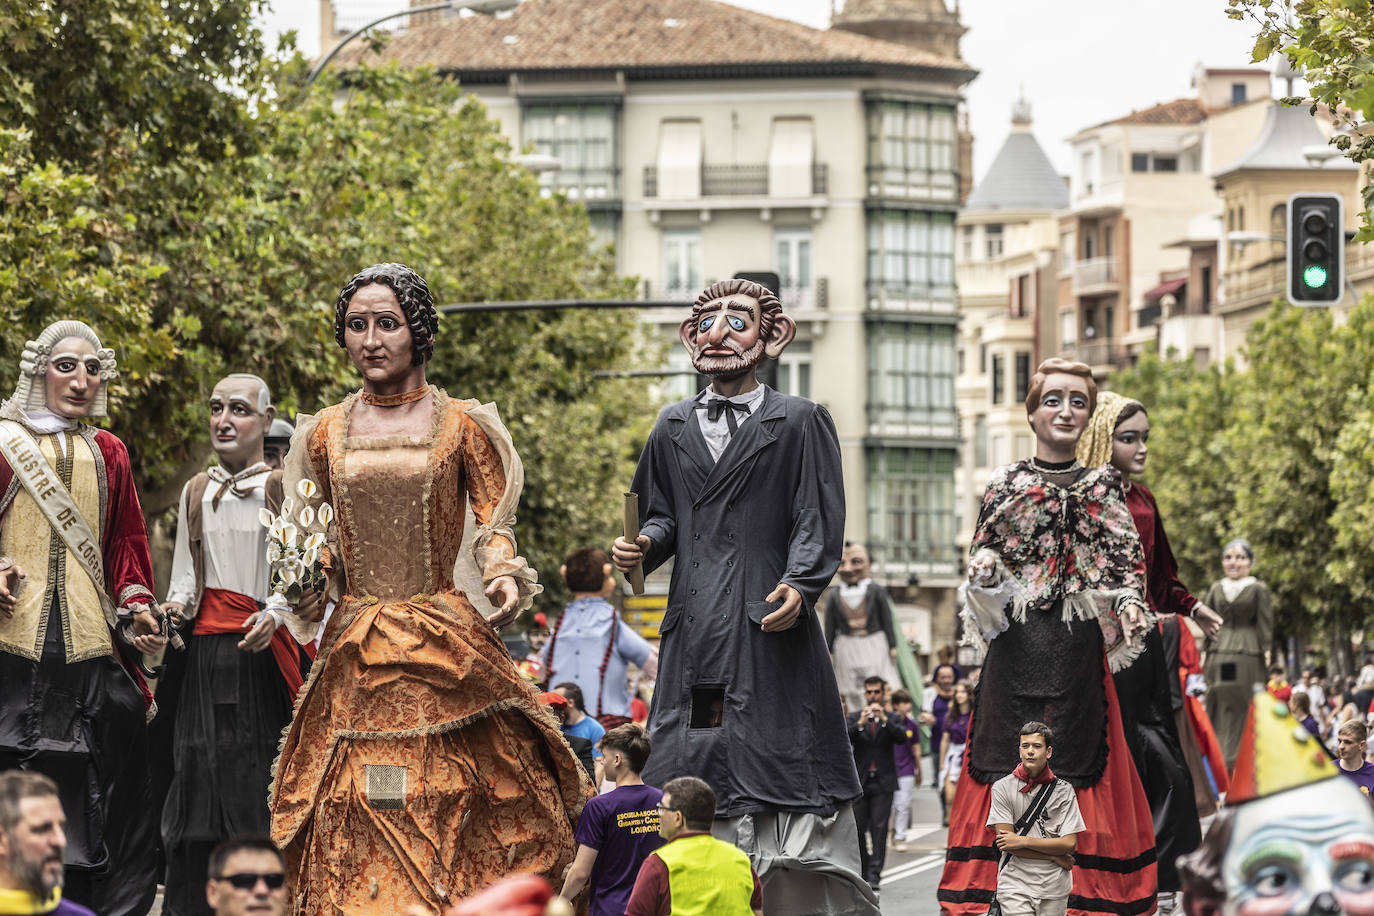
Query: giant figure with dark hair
[419,766]
[742,487]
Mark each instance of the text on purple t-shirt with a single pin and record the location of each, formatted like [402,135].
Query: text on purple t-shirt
[622,826]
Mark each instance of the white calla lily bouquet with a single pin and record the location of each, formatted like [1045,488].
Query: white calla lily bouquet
[295,545]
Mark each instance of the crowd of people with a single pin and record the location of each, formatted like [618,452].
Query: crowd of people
[318,717]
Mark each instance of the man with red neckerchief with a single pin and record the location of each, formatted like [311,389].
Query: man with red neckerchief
[1038,875]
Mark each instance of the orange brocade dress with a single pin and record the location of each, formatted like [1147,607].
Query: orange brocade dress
[419,766]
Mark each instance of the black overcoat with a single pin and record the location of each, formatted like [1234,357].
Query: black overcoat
[755,714]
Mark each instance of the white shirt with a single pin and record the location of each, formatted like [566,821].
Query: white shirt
[1040,878]
[234,541]
[853,595]
[717,432]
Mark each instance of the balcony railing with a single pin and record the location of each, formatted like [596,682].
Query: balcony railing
[1092,352]
[737,180]
[589,185]
[1094,275]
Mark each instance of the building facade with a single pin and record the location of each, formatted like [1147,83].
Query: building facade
[828,157]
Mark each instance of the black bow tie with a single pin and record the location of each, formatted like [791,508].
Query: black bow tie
[717,406]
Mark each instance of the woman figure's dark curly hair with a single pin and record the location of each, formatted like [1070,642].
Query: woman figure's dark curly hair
[413,296]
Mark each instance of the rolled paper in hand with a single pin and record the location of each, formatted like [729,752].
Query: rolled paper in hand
[632,535]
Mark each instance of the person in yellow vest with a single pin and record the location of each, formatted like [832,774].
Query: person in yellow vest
[693,872]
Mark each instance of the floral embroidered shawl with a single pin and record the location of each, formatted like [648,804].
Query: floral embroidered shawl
[1076,545]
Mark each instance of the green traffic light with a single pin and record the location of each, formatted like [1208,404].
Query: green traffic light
[1314,276]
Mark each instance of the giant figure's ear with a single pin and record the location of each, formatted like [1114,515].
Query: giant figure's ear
[779,335]
[687,333]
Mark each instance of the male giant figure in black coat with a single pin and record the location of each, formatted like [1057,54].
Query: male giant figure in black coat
[742,486]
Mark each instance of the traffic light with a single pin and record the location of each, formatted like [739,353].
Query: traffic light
[1316,248]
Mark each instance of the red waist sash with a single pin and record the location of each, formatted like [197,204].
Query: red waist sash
[223,611]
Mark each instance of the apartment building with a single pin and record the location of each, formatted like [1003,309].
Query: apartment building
[1135,187]
[1007,268]
[707,140]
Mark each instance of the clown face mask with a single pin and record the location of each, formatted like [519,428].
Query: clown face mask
[1307,851]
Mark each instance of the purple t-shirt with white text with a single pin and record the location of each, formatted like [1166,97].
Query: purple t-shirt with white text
[622,826]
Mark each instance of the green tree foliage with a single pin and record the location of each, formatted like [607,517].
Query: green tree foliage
[1281,453]
[1330,41]
[203,207]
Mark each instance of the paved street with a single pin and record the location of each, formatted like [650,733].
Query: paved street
[910,878]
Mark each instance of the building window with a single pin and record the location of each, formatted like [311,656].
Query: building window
[1023,376]
[1067,243]
[681,263]
[966,243]
[1237,93]
[911,379]
[1206,292]
[911,150]
[582,137]
[1068,328]
[1021,295]
[679,161]
[794,370]
[792,248]
[911,260]
[1140,162]
[1166,164]
[999,379]
[1108,241]
[992,240]
[911,509]
[791,158]
[980,441]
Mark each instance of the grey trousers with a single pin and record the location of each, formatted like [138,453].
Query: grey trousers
[807,865]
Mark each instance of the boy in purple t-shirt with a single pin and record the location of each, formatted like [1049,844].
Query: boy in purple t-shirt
[908,760]
[618,830]
[1350,748]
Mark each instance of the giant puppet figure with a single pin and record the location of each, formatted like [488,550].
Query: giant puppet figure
[243,666]
[420,765]
[1056,594]
[741,486]
[1296,838]
[76,608]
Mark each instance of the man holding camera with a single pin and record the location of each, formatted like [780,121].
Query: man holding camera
[874,731]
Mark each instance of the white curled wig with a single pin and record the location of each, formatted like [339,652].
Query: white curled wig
[33,364]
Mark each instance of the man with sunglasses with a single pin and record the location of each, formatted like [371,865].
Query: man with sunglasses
[247,875]
[693,872]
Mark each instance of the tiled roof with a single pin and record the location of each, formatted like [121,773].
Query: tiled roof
[630,34]
[1179,111]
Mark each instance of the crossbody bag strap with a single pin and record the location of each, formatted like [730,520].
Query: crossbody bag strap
[1036,806]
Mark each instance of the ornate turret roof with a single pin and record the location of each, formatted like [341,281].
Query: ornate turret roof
[1286,134]
[1021,176]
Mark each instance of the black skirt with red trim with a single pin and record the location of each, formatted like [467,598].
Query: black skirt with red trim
[1114,870]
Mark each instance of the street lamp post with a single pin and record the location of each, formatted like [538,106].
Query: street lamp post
[477,6]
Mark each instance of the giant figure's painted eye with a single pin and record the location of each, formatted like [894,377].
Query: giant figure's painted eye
[705,324]
[737,323]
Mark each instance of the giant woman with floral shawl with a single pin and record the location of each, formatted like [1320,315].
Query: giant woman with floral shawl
[420,766]
[1056,597]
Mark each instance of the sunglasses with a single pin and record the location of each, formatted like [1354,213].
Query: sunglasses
[246,881]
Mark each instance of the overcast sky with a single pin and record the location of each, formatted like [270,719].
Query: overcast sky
[1080,62]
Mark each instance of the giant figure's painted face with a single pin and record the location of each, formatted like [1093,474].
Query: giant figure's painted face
[1063,411]
[72,381]
[726,337]
[1307,851]
[240,414]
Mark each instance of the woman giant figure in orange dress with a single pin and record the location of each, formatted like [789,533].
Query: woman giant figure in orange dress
[419,766]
